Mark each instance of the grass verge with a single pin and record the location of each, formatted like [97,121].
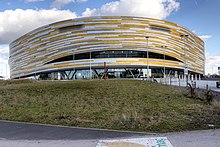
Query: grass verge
[112,104]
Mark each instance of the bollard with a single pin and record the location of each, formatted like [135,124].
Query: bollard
[193,84]
[207,87]
[177,82]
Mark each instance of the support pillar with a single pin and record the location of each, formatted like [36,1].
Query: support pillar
[73,76]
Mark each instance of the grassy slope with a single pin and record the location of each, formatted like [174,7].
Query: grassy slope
[113,104]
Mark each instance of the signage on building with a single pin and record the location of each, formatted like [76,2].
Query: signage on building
[146,72]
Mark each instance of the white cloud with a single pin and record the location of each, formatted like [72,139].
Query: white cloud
[4,67]
[205,37]
[15,23]
[4,51]
[146,8]
[194,31]
[30,1]
[212,64]
[59,3]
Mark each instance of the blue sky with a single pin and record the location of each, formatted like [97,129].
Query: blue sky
[17,17]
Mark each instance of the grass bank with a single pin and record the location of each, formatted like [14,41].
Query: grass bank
[112,104]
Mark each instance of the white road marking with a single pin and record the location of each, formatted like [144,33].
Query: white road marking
[136,142]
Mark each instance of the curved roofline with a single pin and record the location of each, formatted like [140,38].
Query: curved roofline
[79,18]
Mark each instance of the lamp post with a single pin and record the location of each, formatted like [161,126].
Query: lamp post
[164,68]
[35,70]
[73,65]
[147,37]
[184,37]
[90,68]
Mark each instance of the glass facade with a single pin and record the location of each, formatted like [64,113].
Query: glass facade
[113,54]
[110,74]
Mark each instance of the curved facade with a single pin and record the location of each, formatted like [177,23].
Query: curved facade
[73,47]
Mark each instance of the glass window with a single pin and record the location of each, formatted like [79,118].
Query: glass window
[114,54]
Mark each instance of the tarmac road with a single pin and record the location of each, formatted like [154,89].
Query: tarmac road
[14,134]
[26,131]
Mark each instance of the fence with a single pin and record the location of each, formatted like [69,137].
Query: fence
[202,84]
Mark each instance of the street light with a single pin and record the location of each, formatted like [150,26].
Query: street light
[147,37]
[34,70]
[164,68]
[184,37]
[73,65]
[90,68]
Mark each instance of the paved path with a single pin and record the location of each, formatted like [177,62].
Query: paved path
[24,131]
[204,138]
[32,135]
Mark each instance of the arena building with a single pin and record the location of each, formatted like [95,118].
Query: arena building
[130,47]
